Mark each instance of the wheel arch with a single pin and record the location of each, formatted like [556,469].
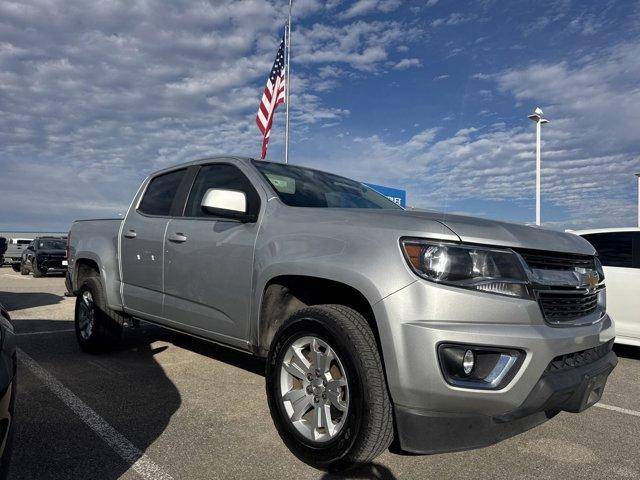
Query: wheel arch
[284,294]
[86,265]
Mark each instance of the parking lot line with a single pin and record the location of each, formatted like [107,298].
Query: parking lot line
[135,458]
[618,409]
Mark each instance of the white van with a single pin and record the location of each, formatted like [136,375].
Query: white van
[619,252]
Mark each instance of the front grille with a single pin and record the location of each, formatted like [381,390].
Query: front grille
[561,306]
[577,359]
[556,261]
[561,303]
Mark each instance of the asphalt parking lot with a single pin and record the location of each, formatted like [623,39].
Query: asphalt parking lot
[167,406]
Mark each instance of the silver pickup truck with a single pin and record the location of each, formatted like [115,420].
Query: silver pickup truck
[435,332]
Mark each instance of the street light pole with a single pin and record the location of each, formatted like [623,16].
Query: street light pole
[536,116]
[638,175]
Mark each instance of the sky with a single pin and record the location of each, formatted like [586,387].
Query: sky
[430,96]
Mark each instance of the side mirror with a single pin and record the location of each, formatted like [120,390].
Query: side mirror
[227,203]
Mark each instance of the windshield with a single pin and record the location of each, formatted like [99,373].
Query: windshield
[52,244]
[303,187]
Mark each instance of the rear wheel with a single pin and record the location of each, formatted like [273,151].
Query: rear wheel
[96,330]
[326,388]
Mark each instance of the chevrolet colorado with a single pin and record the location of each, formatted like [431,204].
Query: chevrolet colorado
[379,325]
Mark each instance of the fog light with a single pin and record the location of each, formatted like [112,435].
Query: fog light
[468,361]
[486,368]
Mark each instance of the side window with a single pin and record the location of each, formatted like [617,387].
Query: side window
[159,195]
[223,176]
[615,249]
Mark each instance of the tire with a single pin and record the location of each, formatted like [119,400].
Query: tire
[37,273]
[5,459]
[368,429]
[102,332]
[23,269]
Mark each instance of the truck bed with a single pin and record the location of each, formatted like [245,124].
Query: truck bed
[97,241]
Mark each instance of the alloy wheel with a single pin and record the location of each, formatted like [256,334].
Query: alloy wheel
[86,314]
[314,389]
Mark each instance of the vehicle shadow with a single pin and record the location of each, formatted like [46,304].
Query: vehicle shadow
[223,354]
[627,351]
[373,471]
[127,388]
[22,300]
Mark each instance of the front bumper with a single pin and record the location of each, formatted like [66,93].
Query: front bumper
[571,390]
[51,264]
[432,415]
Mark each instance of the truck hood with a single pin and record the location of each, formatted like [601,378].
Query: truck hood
[412,223]
[477,230]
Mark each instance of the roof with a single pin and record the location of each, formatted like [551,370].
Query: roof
[243,159]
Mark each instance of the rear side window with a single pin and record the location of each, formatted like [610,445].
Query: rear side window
[222,176]
[617,249]
[159,195]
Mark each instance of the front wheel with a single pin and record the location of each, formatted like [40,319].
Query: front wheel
[23,269]
[96,330]
[326,388]
[37,273]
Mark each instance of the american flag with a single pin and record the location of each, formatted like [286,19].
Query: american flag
[274,95]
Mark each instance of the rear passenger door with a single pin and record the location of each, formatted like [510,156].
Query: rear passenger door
[141,247]
[619,253]
[209,261]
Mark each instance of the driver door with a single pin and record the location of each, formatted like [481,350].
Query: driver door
[208,265]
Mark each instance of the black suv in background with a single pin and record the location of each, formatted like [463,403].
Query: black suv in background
[44,254]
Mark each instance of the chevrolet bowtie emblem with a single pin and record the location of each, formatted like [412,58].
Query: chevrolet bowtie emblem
[588,279]
[592,281]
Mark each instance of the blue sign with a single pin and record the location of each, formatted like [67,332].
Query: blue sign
[393,194]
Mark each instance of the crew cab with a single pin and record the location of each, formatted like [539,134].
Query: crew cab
[441,332]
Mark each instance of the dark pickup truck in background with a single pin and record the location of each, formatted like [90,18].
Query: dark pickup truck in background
[44,254]
[3,249]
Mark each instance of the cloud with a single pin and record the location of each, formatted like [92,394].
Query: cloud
[361,45]
[590,148]
[586,24]
[363,7]
[95,95]
[408,63]
[452,19]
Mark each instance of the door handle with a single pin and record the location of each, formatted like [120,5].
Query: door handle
[177,237]
[130,234]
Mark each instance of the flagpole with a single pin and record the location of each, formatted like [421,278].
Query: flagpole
[288,87]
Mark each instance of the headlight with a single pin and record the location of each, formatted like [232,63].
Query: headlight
[486,269]
[599,269]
